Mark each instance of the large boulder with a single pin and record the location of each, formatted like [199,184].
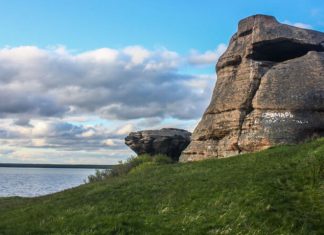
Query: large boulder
[269,91]
[168,141]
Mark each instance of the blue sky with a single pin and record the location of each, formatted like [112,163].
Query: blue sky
[77,76]
[177,25]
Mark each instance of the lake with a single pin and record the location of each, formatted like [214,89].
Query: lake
[31,182]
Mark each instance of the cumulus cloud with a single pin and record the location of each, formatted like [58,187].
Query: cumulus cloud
[53,98]
[137,54]
[126,129]
[208,57]
[123,84]
[62,135]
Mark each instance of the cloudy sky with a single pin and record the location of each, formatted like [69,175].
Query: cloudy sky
[77,76]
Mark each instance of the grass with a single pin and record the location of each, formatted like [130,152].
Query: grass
[277,191]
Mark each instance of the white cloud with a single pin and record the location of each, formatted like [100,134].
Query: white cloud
[298,24]
[208,57]
[302,25]
[103,55]
[124,130]
[53,82]
[40,129]
[39,142]
[137,54]
[109,142]
[89,133]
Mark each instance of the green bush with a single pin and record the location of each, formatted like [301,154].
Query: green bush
[123,168]
[99,175]
[162,159]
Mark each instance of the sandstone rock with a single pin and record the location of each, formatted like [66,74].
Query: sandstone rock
[269,91]
[168,141]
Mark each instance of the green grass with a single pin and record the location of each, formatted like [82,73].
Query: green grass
[277,191]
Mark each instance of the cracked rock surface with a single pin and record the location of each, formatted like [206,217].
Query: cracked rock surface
[168,141]
[269,91]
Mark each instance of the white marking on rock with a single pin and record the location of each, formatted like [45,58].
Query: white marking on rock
[273,117]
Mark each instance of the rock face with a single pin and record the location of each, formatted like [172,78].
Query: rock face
[168,141]
[269,91]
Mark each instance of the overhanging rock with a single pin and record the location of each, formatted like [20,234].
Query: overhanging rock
[167,141]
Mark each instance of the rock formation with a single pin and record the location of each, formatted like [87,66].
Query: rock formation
[168,141]
[269,91]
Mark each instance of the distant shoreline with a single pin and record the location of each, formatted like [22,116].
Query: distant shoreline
[77,166]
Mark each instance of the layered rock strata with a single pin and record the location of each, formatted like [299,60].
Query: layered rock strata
[168,141]
[269,91]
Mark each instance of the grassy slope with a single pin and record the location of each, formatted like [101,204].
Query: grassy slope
[278,191]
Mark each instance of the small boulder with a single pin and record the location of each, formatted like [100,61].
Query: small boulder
[168,141]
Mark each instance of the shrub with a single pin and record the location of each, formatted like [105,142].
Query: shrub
[123,168]
[99,175]
[162,159]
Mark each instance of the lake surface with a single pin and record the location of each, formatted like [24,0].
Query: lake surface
[31,182]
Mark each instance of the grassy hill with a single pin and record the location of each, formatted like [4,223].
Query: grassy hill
[277,191]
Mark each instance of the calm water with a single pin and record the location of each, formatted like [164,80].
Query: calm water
[31,182]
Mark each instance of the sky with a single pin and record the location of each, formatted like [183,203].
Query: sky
[77,76]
